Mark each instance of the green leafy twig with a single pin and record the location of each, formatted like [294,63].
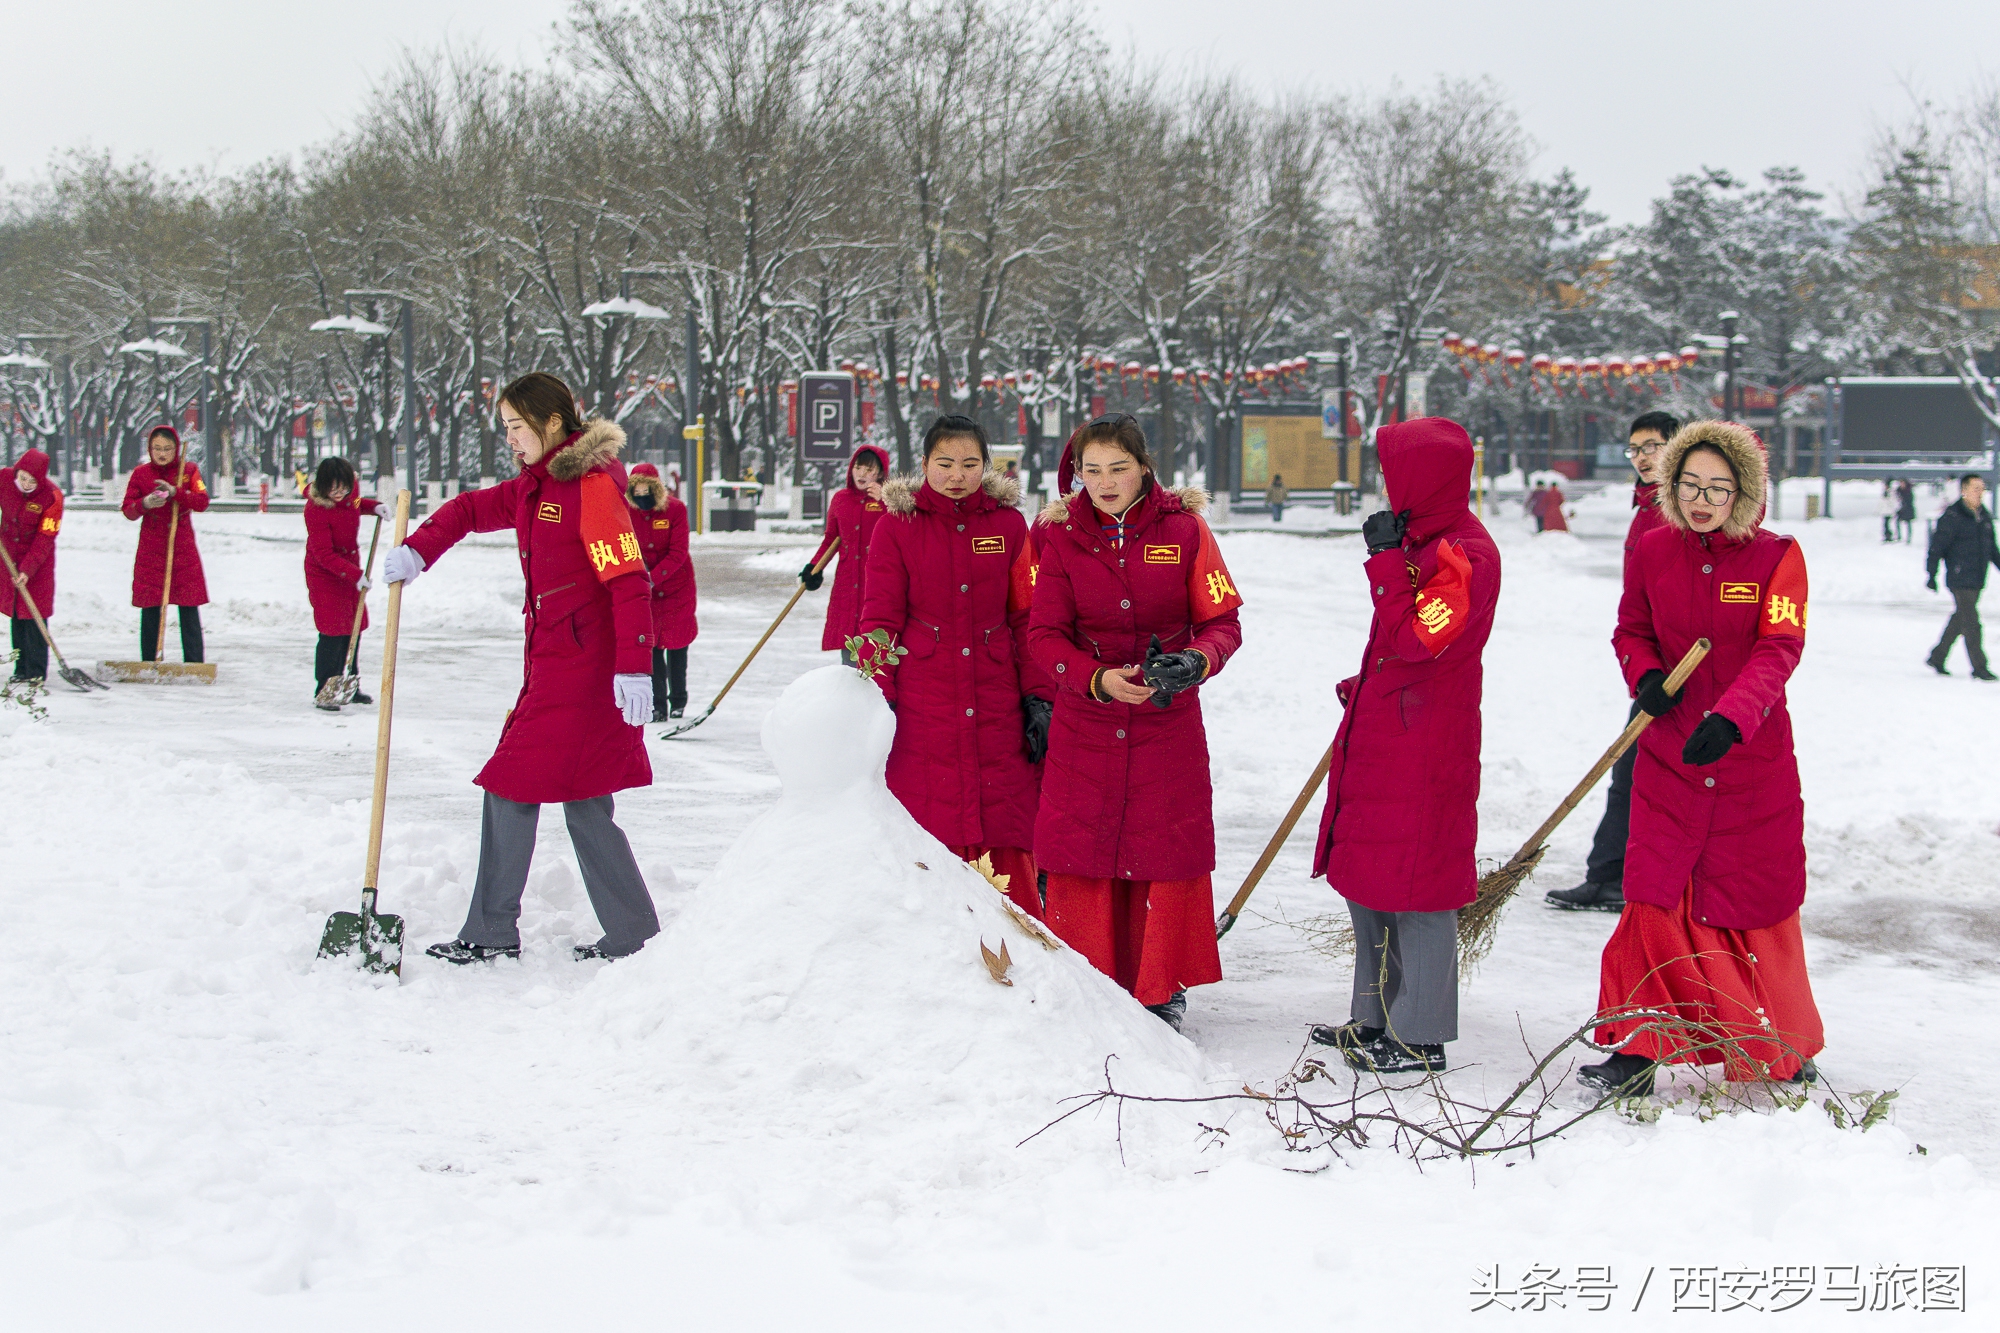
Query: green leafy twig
[875,652]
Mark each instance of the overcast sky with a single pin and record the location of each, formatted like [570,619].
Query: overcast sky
[1627,94]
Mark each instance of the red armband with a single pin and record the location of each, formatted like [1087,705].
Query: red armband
[608,538]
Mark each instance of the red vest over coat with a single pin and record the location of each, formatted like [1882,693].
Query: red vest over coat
[851,516]
[29,522]
[1402,810]
[587,613]
[1125,790]
[1737,826]
[333,559]
[149,566]
[663,540]
[940,580]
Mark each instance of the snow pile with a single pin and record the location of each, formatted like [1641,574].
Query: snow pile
[828,973]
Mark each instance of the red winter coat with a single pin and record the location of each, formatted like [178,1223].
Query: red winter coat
[663,540]
[333,559]
[588,619]
[1737,826]
[1125,791]
[1552,511]
[29,522]
[1646,516]
[940,579]
[851,516]
[149,567]
[1402,809]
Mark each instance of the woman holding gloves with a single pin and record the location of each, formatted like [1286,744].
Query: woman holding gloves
[162,493]
[1402,809]
[1715,869]
[662,523]
[573,734]
[940,585]
[851,515]
[1133,612]
[335,581]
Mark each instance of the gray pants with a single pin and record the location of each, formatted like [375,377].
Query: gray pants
[1964,620]
[610,876]
[1406,973]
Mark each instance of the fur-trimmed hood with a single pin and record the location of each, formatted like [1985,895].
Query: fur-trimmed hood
[899,494]
[595,445]
[646,482]
[1171,499]
[1745,453]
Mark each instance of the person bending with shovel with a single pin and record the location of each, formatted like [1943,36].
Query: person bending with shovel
[573,735]
[162,493]
[1402,811]
[30,517]
[336,583]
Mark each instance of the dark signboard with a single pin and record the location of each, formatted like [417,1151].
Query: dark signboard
[826,416]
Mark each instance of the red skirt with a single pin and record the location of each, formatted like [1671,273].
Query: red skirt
[1153,937]
[1746,986]
[1016,869]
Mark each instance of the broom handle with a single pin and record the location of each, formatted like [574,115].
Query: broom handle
[1250,881]
[22,594]
[774,626]
[167,588]
[386,706]
[1611,756]
[361,601]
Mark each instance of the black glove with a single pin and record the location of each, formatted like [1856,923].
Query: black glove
[1931,583]
[1710,741]
[1653,697]
[1170,673]
[1383,531]
[811,577]
[1035,716]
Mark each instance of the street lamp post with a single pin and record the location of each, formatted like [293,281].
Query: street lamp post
[406,430]
[222,477]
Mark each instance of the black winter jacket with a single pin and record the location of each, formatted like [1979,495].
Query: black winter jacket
[1963,542]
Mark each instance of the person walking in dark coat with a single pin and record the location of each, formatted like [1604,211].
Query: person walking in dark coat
[1963,543]
[1906,510]
[1602,889]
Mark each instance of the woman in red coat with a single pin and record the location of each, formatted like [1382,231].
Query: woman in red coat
[335,581]
[1715,869]
[940,585]
[30,517]
[662,523]
[1402,803]
[851,516]
[1553,519]
[574,734]
[1133,611]
[163,492]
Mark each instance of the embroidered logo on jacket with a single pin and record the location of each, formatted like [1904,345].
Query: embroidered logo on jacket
[549,512]
[1742,594]
[662,523]
[1163,555]
[989,546]
[872,507]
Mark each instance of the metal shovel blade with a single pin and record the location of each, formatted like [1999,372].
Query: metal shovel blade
[338,690]
[376,939]
[81,679]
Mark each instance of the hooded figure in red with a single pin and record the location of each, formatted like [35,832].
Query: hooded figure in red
[336,582]
[940,585]
[1551,500]
[575,733]
[1402,818]
[162,494]
[1715,869]
[30,517]
[661,520]
[1127,828]
[851,515]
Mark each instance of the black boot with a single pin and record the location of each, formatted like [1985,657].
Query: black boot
[1621,1076]
[361,698]
[1589,896]
[1174,1012]
[583,953]
[461,952]
[1937,665]
[1386,1055]
[1346,1036]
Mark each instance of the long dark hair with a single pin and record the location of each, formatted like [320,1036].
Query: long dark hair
[544,401]
[330,473]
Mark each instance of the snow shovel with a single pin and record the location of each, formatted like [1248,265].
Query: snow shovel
[1478,921]
[377,939]
[341,689]
[83,680]
[691,725]
[1250,881]
[160,670]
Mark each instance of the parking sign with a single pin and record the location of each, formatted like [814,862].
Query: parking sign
[826,400]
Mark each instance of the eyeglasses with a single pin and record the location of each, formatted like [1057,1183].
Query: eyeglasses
[1715,495]
[1643,450]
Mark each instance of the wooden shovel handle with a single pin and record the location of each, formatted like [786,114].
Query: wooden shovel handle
[1624,742]
[173,531]
[1271,848]
[385,704]
[361,599]
[798,593]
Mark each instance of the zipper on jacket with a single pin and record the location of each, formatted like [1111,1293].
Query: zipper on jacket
[552,592]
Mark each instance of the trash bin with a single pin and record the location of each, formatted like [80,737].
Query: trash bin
[1343,497]
[732,505]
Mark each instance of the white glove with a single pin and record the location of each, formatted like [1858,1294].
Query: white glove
[154,499]
[633,693]
[362,584]
[402,565]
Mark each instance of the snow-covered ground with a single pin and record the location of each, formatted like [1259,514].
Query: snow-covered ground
[804,1105]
